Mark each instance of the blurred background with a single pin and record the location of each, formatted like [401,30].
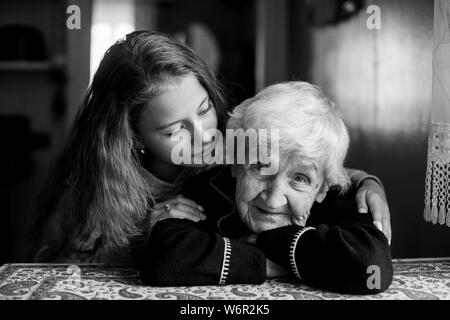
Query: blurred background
[381,80]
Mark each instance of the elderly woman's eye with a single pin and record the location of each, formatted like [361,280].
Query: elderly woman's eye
[258,166]
[301,179]
[257,169]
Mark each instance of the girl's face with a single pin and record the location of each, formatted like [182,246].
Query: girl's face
[184,104]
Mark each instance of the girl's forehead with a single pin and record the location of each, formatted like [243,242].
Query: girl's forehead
[179,98]
[178,88]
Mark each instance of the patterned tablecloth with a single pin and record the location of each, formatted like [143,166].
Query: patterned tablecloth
[413,279]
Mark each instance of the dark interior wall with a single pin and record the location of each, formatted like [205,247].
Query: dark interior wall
[32,91]
[381,82]
[233,24]
[43,95]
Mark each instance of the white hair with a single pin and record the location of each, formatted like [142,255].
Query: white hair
[308,123]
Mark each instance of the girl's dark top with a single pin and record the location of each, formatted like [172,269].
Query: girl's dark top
[339,249]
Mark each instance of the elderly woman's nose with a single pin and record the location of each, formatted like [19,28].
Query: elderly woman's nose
[274,196]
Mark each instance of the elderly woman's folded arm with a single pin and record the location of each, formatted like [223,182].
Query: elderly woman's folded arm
[181,253]
[346,254]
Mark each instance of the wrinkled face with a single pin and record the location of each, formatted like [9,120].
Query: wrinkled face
[185,104]
[265,202]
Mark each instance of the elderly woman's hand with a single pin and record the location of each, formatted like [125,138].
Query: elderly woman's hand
[371,197]
[179,208]
[273,270]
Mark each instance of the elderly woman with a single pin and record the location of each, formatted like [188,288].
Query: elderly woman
[301,220]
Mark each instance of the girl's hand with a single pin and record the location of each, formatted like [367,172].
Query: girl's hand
[179,208]
[274,270]
[371,197]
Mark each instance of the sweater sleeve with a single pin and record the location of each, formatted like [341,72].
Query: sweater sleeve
[347,255]
[357,177]
[181,253]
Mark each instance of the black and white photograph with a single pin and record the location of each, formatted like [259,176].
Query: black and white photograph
[226,155]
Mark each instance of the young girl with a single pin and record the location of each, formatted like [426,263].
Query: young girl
[115,178]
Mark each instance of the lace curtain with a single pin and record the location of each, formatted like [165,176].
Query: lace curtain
[437,182]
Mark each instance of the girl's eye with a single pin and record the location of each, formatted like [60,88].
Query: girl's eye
[207,109]
[173,131]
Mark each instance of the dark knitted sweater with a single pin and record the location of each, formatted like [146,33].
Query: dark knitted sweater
[339,249]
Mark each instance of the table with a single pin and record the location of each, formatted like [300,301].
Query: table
[427,279]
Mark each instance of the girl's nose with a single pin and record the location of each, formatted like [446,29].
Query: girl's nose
[208,138]
[201,136]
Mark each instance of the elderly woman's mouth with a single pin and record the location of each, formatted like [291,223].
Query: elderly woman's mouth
[270,212]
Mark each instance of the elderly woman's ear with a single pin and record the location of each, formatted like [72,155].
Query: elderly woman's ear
[322,193]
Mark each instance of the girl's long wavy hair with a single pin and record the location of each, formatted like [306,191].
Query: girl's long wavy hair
[99,183]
